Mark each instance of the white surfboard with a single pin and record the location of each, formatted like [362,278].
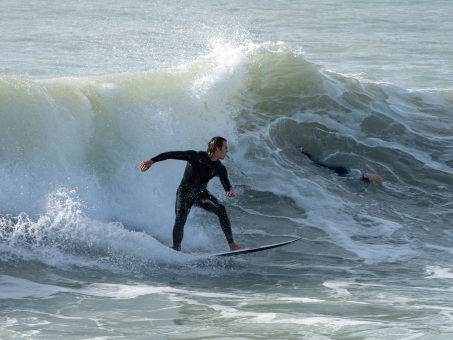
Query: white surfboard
[253,250]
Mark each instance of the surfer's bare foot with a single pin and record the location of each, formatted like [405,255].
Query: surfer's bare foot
[372,177]
[234,246]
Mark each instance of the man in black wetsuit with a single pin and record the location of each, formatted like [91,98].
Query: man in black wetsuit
[343,171]
[201,167]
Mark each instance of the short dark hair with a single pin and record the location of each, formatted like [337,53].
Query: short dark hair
[214,143]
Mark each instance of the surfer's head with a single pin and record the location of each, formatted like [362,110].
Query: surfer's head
[217,144]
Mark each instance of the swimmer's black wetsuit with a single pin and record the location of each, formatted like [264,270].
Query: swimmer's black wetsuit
[193,190]
[340,170]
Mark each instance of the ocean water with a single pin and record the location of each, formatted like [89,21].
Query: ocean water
[90,89]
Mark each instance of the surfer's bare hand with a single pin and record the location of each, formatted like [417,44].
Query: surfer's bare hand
[230,194]
[145,165]
[234,246]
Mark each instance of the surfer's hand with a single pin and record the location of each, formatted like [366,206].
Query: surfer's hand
[234,246]
[230,194]
[145,165]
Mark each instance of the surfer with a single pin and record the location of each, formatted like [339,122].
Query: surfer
[201,167]
[343,171]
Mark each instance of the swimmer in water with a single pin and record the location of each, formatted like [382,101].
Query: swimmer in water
[343,171]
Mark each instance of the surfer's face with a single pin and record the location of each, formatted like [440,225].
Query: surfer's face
[220,153]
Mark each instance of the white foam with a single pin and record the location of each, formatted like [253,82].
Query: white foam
[17,288]
[301,299]
[436,272]
[340,287]
[121,291]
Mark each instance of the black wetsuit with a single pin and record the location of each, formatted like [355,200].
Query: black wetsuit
[338,169]
[193,190]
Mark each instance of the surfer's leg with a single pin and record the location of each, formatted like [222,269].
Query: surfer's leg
[212,204]
[184,201]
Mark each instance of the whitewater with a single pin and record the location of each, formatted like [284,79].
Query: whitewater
[88,90]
